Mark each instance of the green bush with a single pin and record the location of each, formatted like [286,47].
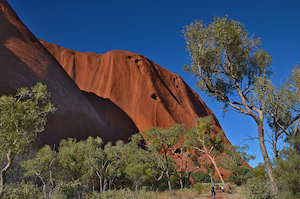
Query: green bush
[68,190]
[200,176]
[21,191]
[258,188]
[240,175]
[199,187]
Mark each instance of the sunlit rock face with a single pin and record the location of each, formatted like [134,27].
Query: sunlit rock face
[149,94]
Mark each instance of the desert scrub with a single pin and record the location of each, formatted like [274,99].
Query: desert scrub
[22,190]
[199,187]
[122,194]
[258,188]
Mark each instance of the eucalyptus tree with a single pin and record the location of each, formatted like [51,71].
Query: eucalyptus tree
[115,166]
[42,166]
[235,159]
[188,162]
[227,62]
[94,160]
[71,158]
[138,162]
[22,117]
[281,106]
[201,140]
[161,142]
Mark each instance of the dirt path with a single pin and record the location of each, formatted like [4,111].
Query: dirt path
[223,195]
[219,195]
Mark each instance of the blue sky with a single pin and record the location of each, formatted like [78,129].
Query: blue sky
[153,29]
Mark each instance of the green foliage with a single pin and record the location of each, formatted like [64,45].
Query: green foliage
[200,176]
[116,162]
[138,162]
[235,160]
[161,142]
[199,187]
[40,164]
[240,175]
[236,156]
[163,139]
[258,188]
[287,171]
[207,145]
[22,117]
[71,157]
[68,190]
[227,63]
[80,159]
[42,167]
[222,55]
[21,191]
[93,155]
[201,138]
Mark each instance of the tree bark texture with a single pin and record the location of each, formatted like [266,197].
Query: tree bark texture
[4,170]
[266,157]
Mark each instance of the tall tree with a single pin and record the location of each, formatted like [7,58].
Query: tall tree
[161,142]
[95,160]
[22,117]
[201,140]
[116,164]
[227,62]
[71,158]
[138,167]
[42,166]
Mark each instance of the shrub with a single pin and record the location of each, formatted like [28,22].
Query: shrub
[200,176]
[65,190]
[22,190]
[258,188]
[199,187]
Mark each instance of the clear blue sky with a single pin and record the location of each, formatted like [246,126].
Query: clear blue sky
[153,29]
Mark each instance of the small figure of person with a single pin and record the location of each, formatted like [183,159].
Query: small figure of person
[213,193]
[222,188]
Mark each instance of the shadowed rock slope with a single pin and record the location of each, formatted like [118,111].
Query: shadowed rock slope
[24,62]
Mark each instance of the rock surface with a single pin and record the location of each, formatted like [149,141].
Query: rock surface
[24,62]
[149,94]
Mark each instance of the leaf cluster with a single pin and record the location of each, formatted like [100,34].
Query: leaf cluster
[22,117]
[224,57]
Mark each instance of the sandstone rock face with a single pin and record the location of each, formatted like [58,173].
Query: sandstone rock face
[149,94]
[24,62]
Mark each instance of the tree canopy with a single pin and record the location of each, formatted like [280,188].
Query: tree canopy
[22,117]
